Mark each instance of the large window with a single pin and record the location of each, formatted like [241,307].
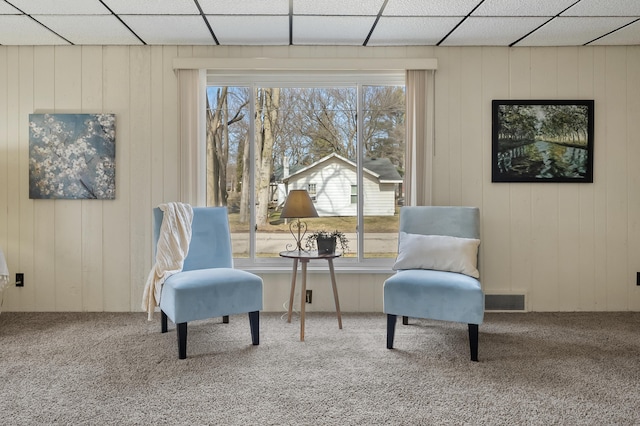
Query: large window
[340,138]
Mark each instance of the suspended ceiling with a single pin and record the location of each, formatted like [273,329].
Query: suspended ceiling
[321,22]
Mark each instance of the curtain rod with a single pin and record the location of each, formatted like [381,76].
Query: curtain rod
[300,64]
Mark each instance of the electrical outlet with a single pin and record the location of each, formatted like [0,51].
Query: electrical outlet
[308,296]
[19,279]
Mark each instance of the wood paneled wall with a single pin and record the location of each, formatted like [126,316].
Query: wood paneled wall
[566,246]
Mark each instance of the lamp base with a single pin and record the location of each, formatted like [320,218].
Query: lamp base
[301,228]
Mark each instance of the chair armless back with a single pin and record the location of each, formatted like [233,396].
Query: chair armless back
[454,221]
[210,245]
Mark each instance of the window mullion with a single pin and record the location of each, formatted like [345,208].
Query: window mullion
[360,161]
[252,172]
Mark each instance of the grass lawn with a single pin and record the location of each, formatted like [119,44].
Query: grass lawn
[346,224]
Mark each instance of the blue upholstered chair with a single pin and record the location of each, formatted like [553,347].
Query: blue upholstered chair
[208,285]
[435,242]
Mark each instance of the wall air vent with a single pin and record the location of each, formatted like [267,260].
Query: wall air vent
[504,302]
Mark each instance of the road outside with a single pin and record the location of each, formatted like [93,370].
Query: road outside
[376,244]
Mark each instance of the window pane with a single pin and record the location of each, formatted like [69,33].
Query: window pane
[384,151]
[306,140]
[311,189]
[227,168]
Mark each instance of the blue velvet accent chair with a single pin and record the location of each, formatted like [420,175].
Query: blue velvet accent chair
[437,294]
[208,285]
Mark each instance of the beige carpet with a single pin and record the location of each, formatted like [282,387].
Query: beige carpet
[117,368]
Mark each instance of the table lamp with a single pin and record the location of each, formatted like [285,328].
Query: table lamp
[298,204]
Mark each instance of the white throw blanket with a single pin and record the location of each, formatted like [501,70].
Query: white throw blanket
[4,271]
[172,249]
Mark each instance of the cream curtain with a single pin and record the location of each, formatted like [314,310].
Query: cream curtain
[192,136]
[419,136]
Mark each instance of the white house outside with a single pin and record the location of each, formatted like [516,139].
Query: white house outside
[333,181]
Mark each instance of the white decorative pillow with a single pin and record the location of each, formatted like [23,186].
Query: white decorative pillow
[438,252]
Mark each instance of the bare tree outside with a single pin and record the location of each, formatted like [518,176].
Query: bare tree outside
[218,121]
[267,110]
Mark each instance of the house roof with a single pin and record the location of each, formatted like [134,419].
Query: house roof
[380,168]
[384,168]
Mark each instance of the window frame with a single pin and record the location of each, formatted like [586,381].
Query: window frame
[356,193]
[310,79]
[312,189]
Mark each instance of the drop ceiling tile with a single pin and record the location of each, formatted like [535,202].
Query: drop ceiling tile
[153,7]
[395,31]
[246,30]
[572,31]
[61,7]
[89,29]
[22,30]
[486,31]
[605,8]
[7,9]
[169,29]
[522,8]
[331,30]
[337,7]
[339,22]
[629,35]
[245,7]
[429,8]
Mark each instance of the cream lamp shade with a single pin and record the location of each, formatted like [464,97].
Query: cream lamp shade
[297,205]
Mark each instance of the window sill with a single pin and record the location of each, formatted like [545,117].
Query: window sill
[349,266]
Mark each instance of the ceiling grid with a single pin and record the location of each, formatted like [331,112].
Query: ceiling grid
[321,22]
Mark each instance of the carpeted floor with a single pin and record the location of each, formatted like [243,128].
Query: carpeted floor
[117,368]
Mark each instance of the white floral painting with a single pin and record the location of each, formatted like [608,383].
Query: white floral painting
[72,156]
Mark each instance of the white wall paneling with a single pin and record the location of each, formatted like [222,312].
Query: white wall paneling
[92,211]
[23,222]
[67,213]
[617,214]
[567,247]
[633,177]
[140,172]
[568,197]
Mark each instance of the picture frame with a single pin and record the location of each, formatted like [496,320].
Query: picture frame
[542,141]
[72,156]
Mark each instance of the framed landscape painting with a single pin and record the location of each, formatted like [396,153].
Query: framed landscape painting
[542,141]
[72,156]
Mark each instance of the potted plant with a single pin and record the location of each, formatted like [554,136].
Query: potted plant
[326,241]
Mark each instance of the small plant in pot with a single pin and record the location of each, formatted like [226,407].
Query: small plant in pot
[326,241]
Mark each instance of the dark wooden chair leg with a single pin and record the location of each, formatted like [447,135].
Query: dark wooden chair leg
[254,324]
[405,320]
[391,330]
[225,319]
[182,340]
[473,341]
[163,322]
